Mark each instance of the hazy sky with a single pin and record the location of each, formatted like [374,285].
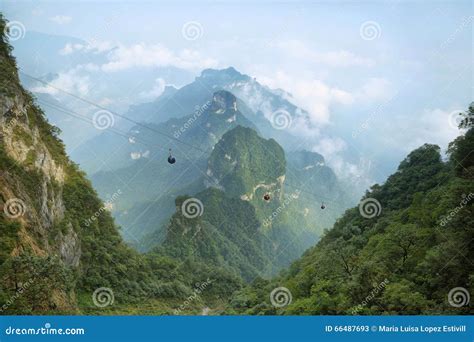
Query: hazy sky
[380,76]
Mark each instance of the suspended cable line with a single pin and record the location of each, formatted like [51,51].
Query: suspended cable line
[171,159]
[89,121]
[114,113]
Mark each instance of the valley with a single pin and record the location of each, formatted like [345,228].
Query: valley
[247,220]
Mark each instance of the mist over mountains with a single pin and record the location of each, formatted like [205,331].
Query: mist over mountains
[221,180]
[198,113]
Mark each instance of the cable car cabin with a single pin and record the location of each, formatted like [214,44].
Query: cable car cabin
[171,159]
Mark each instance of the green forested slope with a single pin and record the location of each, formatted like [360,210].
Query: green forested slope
[53,256]
[403,261]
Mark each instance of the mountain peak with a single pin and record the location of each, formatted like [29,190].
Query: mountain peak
[222,101]
[239,163]
[223,75]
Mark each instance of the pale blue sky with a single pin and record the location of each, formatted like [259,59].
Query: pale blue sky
[392,93]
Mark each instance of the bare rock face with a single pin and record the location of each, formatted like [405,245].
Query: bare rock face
[69,247]
[52,207]
[223,101]
[24,145]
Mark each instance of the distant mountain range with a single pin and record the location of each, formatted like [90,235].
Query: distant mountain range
[190,121]
[233,210]
[151,184]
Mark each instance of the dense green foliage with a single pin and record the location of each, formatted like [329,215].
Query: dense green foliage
[149,175]
[239,229]
[226,235]
[241,160]
[418,247]
[403,261]
[33,278]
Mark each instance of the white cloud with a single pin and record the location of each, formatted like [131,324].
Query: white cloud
[339,58]
[430,126]
[121,57]
[156,55]
[330,146]
[314,96]
[155,91]
[69,81]
[357,174]
[375,89]
[94,46]
[317,97]
[61,19]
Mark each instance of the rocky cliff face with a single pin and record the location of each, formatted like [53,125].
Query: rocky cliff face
[223,101]
[31,182]
[44,202]
[22,142]
[247,166]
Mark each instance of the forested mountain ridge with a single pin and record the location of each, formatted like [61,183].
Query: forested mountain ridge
[144,162]
[60,244]
[404,253]
[407,249]
[60,249]
[231,228]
